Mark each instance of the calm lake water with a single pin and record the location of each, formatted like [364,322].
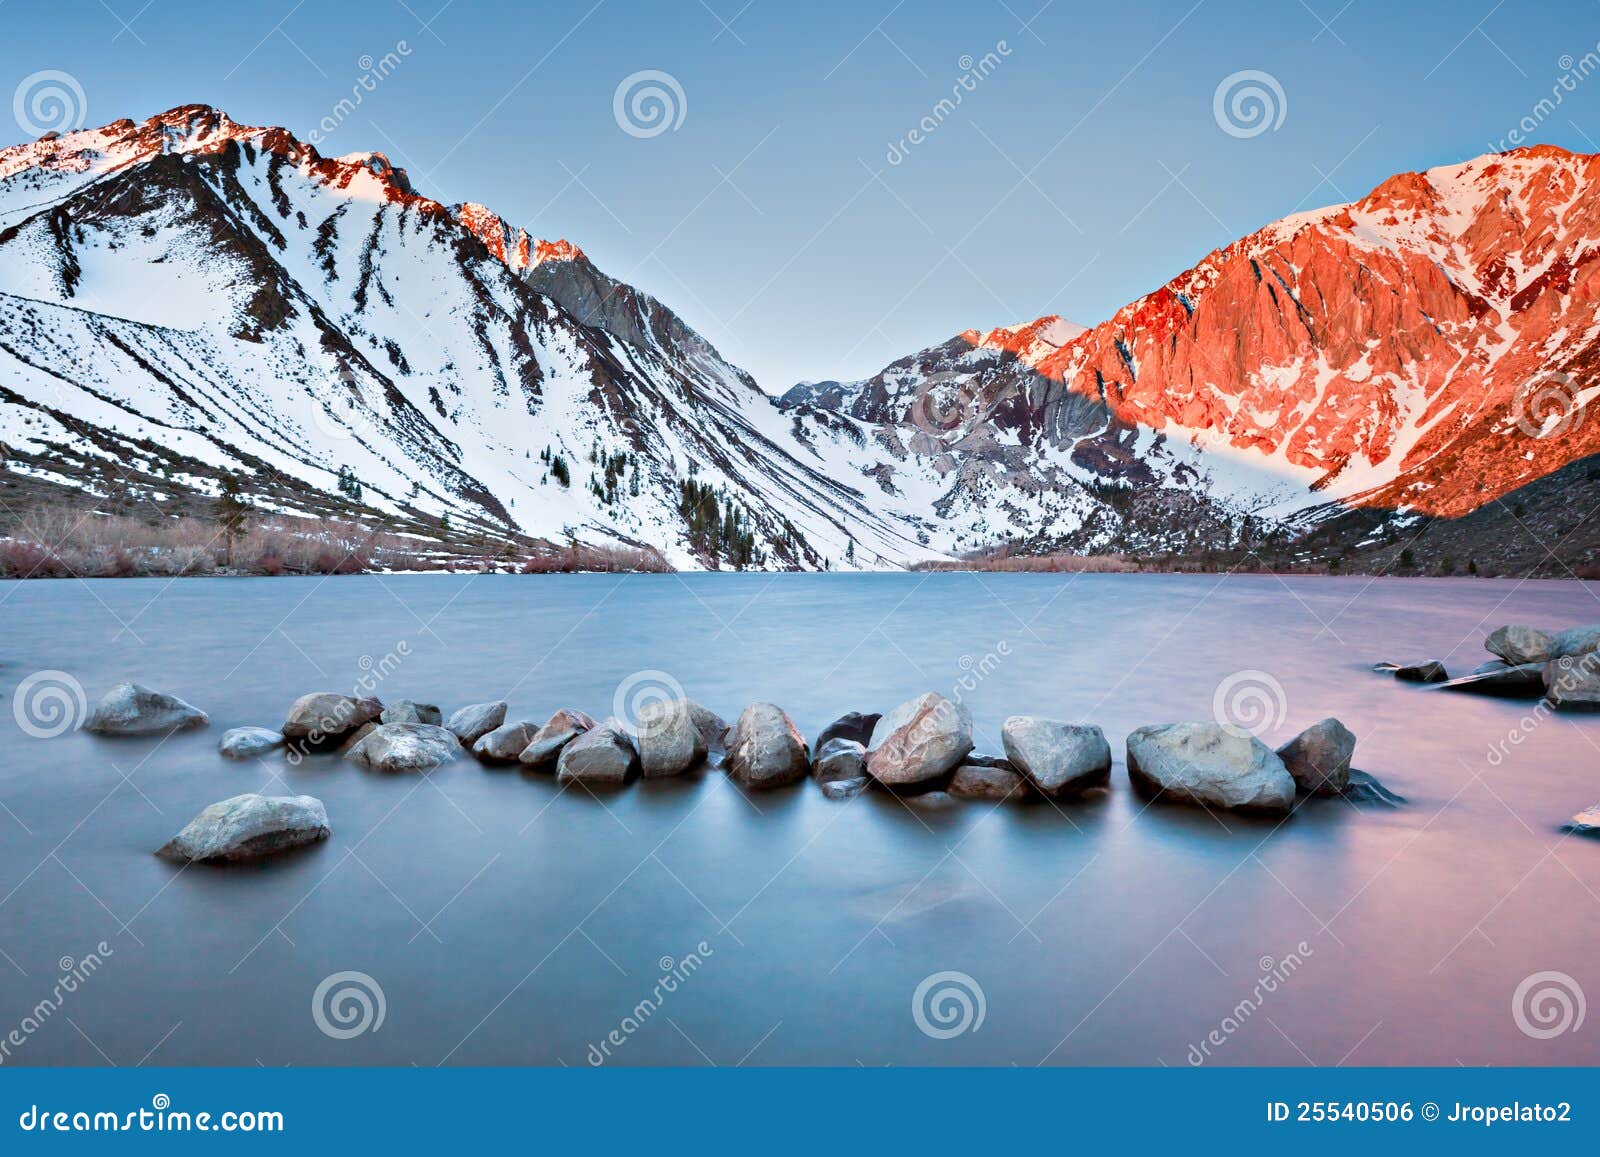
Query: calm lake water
[508,922]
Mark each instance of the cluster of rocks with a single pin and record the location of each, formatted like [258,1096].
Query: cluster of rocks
[1560,667]
[922,751]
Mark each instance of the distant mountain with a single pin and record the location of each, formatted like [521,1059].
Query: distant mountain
[186,298]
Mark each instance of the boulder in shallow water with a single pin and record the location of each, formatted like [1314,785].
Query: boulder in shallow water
[1365,789]
[839,759]
[1576,641]
[844,788]
[712,727]
[132,709]
[249,742]
[669,742]
[1208,764]
[473,722]
[1430,672]
[247,827]
[602,756]
[410,711]
[328,715]
[558,731]
[1518,644]
[855,726]
[1572,683]
[980,781]
[1525,681]
[506,742]
[1585,823]
[398,748]
[920,741]
[765,749]
[1061,759]
[1319,757]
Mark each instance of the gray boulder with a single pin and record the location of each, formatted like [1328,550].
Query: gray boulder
[1524,681]
[1572,682]
[838,759]
[472,723]
[1319,757]
[328,715]
[1061,759]
[505,743]
[131,709]
[981,781]
[1210,765]
[558,731]
[602,756]
[669,742]
[1518,644]
[712,727]
[920,741]
[765,749]
[410,711]
[1576,641]
[844,788]
[247,827]
[249,742]
[397,748]
[855,725]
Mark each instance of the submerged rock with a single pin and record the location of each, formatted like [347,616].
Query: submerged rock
[920,741]
[602,756]
[1572,683]
[249,742]
[1208,764]
[1585,823]
[558,731]
[1365,789]
[854,726]
[844,788]
[765,749]
[132,709]
[1524,681]
[506,742]
[839,759]
[1517,645]
[410,711]
[1061,759]
[1430,672]
[473,722]
[979,781]
[1319,757]
[669,742]
[712,727]
[328,715]
[247,827]
[404,747]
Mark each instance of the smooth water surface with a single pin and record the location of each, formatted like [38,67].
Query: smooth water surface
[508,922]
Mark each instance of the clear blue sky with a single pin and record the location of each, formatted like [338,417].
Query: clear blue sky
[1086,168]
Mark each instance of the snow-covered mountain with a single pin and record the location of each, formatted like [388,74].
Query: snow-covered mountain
[187,298]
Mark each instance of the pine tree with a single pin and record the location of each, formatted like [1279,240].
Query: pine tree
[232,510]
